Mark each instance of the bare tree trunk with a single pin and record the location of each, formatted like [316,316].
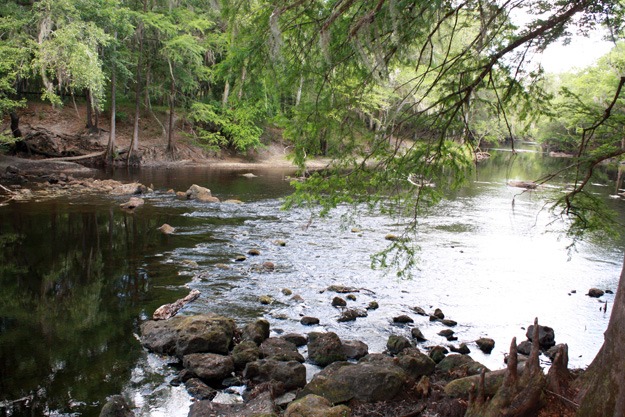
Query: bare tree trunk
[133,149]
[602,386]
[172,101]
[89,124]
[110,148]
[15,125]
[298,97]
[224,100]
[243,76]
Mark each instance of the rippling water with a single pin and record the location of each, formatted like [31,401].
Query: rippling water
[489,265]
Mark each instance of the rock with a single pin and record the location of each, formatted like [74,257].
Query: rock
[338,302]
[125,189]
[460,365]
[396,344]
[268,266]
[438,353]
[199,390]
[253,252]
[438,313]
[166,229]
[296,339]
[286,291]
[279,243]
[364,382]
[257,332]
[233,201]
[315,406]
[192,334]
[297,298]
[463,349]
[240,258]
[309,321]
[195,192]
[595,292]
[546,336]
[351,314]
[249,175]
[351,297]
[183,376]
[415,332]
[415,363]
[403,319]
[341,289]
[244,353]
[525,347]
[449,323]
[355,349]
[116,406]
[391,237]
[419,311]
[446,333]
[373,305]
[462,387]
[552,351]
[133,203]
[325,348]
[265,299]
[181,195]
[280,350]
[485,344]
[291,373]
[209,366]
[259,406]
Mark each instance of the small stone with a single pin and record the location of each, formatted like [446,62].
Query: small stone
[181,195]
[166,229]
[449,323]
[416,333]
[295,338]
[391,237]
[356,230]
[463,349]
[199,390]
[595,292]
[437,353]
[446,333]
[338,302]
[268,266]
[352,314]
[297,298]
[351,297]
[373,305]
[222,266]
[279,243]
[133,203]
[609,292]
[485,344]
[403,319]
[265,299]
[419,311]
[240,258]
[286,291]
[253,252]
[309,321]
[396,344]
[438,313]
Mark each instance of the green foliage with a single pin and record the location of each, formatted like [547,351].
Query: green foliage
[217,127]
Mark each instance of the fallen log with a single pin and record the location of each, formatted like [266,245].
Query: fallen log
[167,311]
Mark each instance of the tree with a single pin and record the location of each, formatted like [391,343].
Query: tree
[461,52]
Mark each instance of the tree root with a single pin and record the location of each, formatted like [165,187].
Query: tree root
[521,394]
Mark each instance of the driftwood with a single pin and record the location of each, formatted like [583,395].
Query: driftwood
[167,311]
[78,157]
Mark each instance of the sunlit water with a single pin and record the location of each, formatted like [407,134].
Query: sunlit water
[81,275]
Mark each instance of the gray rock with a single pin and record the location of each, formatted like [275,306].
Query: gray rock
[485,344]
[199,390]
[116,406]
[259,406]
[191,334]
[403,319]
[419,311]
[280,350]
[245,352]
[373,305]
[525,347]
[460,365]
[325,348]
[449,323]
[355,349]
[365,382]
[546,336]
[309,321]
[415,363]
[595,292]
[438,313]
[463,349]
[438,353]
[352,314]
[551,352]
[396,344]
[209,366]
[446,333]
[195,192]
[315,406]
[292,374]
[417,334]
[257,332]
[338,302]
[295,338]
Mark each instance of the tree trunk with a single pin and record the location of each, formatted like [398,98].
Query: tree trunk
[89,125]
[172,102]
[110,148]
[224,99]
[602,386]
[133,149]
[15,125]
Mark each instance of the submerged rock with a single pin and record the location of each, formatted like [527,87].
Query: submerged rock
[133,203]
[166,229]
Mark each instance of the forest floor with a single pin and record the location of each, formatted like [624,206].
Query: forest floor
[68,125]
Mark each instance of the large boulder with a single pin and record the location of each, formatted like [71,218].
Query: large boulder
[415,363]
[292,373]
[280,350]
[209,366]
[325,348]
[366,382]
[546,336]
[257,332]
[355,349]
[486,344]
[315,406]
[397,343]
[191,334]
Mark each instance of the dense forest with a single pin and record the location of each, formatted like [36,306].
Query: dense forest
[402,93]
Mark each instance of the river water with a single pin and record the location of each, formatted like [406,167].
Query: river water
[78,276]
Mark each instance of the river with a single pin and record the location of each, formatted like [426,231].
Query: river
[78,276]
